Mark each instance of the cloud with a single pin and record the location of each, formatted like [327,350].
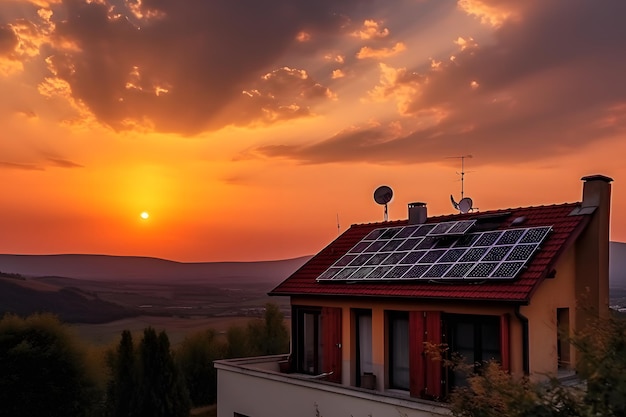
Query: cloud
[174,68]
[548,83]
[372,29]
[20,166]
[378,53]
[63,163]
[282,94]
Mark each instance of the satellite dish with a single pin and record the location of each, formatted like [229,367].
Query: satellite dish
[465,205]
[382,196]
[454,203]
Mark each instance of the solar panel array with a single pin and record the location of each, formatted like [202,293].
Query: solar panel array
[437,251]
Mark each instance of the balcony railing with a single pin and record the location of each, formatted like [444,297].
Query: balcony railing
[256,387]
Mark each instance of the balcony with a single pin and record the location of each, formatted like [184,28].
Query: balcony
[255,387]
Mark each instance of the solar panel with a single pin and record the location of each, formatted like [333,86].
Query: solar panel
[360,247]
[473,254]
[360,260]
[413,257]
[432,256]
[416,271]
[410,243]
[392,245]
[345,260]
[441,229]
[497,253]
[423,230]
[461,227]
[437,251]
[377,259]
[397,271]
[329,273]
[510,237]
[437,270]
[379,272]
[535,234]
[459,270]
[407,231]
[452,255]
[522,252]
[507,269]
[394,258]
[488,238]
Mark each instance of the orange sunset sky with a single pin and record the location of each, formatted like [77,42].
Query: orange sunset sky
[246,128]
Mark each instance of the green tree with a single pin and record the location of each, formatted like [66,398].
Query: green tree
[122,388]
[195,358]
[269,336]
[161,388]
[43,370]
[238,343]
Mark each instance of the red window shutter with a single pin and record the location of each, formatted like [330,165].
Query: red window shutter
[417,371]
[505,352]
[433,367]
[331,342]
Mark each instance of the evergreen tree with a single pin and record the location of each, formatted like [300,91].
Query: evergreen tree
[123,385]
[195,358]
[161,392]
[269,336]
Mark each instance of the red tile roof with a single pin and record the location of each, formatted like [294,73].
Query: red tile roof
[565,229]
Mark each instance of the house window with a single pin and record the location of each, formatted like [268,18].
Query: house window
[563,345]
[363,327]
[308,350]
[399,350]
[475,338]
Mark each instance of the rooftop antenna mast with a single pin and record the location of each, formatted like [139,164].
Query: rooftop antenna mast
[465,204]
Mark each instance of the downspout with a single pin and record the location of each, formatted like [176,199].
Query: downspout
[525,339]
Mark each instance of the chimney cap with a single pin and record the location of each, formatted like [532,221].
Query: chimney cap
[597,177]
[417,204]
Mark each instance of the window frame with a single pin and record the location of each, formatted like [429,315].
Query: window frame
[392,316]
[300,339]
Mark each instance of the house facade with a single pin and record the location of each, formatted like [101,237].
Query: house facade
[369,310]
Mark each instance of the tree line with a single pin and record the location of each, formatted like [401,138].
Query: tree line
[46,370]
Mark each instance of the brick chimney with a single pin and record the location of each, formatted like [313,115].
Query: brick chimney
[417,213]
[592,249]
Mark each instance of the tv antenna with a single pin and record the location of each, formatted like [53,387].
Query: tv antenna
[382,196]
[465,204]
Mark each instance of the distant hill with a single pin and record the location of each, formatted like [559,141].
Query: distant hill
[132,268]
[100,288]
[617,265]
[71,304]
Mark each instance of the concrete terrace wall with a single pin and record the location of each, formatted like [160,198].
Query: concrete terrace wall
[246,387]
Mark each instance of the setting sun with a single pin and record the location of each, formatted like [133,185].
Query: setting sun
[144,215]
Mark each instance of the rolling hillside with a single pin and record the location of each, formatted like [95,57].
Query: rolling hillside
[99,289]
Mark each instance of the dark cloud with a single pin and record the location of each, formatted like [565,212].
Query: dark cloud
[63,163]
[551,82]
[178,67]
[8,41]
[25,167]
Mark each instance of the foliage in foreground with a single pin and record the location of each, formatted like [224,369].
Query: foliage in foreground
[195,356]
[602,364]
[146,381]
[44,370]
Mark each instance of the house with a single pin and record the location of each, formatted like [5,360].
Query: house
[501,285]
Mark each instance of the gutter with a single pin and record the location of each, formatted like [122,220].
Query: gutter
[525,340]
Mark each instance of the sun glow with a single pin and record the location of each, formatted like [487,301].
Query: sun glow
[144,215]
